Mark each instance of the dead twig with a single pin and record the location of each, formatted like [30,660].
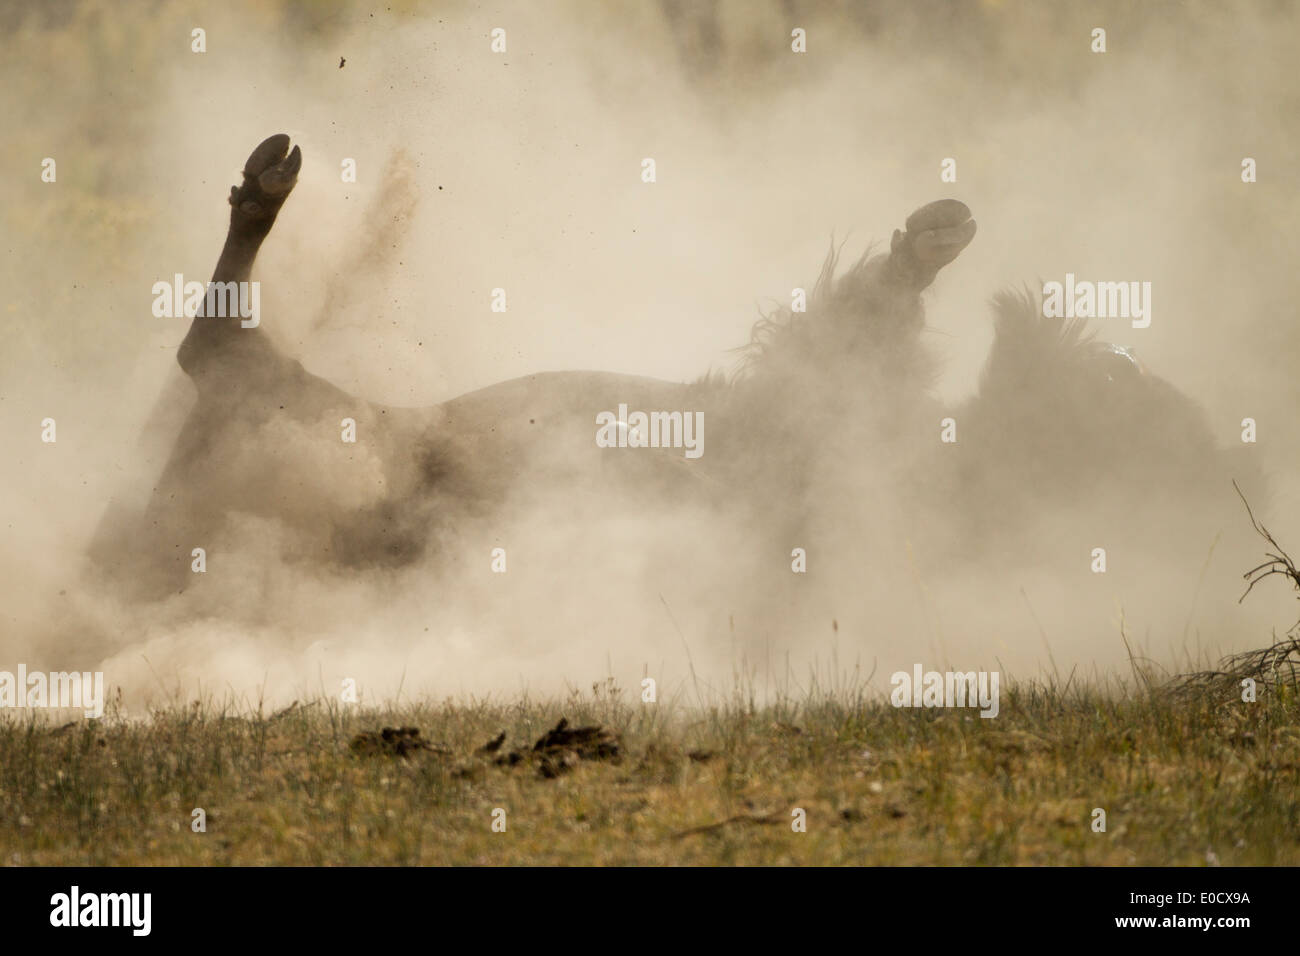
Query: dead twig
[1279,562]
[767,819]
[289,710]
[1279,663]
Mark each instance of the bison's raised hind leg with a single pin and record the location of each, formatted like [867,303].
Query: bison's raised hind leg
[269,176]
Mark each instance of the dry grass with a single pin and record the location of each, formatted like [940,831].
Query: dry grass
[1186,775]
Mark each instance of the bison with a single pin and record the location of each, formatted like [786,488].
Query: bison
[827,435]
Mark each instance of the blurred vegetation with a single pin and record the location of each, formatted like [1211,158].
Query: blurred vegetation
[1184,778]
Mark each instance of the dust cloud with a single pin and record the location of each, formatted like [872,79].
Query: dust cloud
[521,170]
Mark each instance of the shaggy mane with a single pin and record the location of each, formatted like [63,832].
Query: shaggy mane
[783,331]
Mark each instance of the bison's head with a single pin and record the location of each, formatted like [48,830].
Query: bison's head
[1067,408]
[1067,425]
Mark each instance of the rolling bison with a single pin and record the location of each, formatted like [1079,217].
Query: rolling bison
[827,436]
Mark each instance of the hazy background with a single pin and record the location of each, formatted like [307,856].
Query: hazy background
[522,171]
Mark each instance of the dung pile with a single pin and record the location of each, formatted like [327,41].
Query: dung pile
[392,742]
[561,748]
[557,751]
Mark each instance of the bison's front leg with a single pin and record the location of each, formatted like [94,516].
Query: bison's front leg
[877,304]
[875,308]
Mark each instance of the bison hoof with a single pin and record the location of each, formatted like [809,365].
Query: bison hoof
[940,231]
[269,175]
[933,236]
